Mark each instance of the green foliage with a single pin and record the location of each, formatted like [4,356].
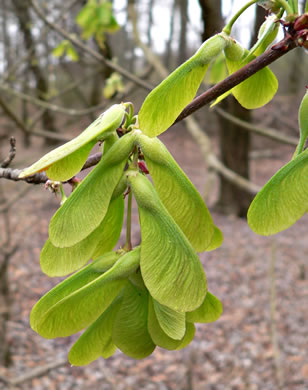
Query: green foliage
[283,200]
[88,204]
[66,48]
[167,100]
[180,197]
[135,299]
[254,92]
[210,310]
[95,19]
[303,123]
[67,160]
[130,331]
[113,85]
[96,341]
[170,267]
[62,261]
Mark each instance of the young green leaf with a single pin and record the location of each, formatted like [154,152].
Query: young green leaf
[210,310]
[97,339]
[170,268]
[283,200]
[162,106]
[58,163]
[83,306]
[171,322]
[254,92]
[86,207]
[62,261]
[69,286]
[157,334]
[130,332]
[178,194]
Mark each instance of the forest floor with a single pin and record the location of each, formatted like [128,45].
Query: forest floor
[253,346]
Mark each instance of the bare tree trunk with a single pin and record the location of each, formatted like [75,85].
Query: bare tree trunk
[6,38]
[234,142]
[168,50]
[24,20]
[183,7]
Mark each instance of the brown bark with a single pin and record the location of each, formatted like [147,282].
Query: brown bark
[234,141]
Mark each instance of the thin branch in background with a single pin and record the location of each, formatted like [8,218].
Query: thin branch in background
[7,161]
[88,50]
[264,131]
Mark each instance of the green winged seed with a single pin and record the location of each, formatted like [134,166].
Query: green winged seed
[170,267]
[62,261]
[218,70]
[171,322]
[87,206]
[97,339]
[234,52]
[65,161]
[303,123]
[130,332]
[267,34]
[283,200]
[178,194]
[69,286]
[158,335]
[210,310]
[162,106]
[254,92]
[217,240]
[80,308]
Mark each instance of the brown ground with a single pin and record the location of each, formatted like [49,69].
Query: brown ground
[236,352]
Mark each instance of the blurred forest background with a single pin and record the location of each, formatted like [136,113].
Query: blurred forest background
[61,65]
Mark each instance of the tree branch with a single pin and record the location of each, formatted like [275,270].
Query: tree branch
[265,59]
[7,161]
[264,131]
[88,50]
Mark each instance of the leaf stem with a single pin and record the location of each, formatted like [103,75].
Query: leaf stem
[128,244]
[286,6]
[227,29]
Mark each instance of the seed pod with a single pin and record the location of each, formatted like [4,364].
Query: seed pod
[65,161]
[162,106]
[69,286]
[87,206]
[210,310]
[96,341]
[234,52]
[283,200]
[303,122]
[84,305]
[170,268]
[56,261]
[177,193]
[130,331]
